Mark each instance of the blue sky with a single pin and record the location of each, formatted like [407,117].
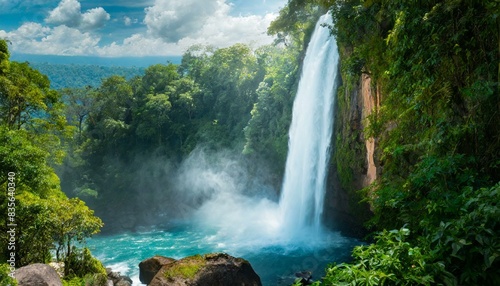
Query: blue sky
[116,28]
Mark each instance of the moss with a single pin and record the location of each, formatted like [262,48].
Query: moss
[350,154]
[187,268]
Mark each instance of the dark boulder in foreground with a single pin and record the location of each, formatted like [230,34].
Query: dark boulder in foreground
[217,269]
[37,274]
[149,267]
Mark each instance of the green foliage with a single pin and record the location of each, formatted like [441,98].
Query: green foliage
[5,278]
[35,239]
[32,129]
[80,263]
[436,65]
[469,243]
[391,260]
[21,156]
[295,22]
[4,57]
[460,251]
[42,209]
[349,146]
[266,133]
[88,280]
[79,102]
[75,222]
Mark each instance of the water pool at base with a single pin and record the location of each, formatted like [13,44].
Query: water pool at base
[275,264]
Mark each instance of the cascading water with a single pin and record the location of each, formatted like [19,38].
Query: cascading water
[278,239]
[303,191]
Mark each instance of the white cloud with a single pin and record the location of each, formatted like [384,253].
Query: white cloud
[94,18]
[171,27]
[68,13]
[127,21]
[175,25]
[33,38]
[224,30]
[139,45]
[173,20]
[219,30]
[31,30]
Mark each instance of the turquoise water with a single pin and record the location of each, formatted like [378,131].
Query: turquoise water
[275,263]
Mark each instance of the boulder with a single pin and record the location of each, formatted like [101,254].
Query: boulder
[149,267]
[116,279]
[217,269]
[37,274]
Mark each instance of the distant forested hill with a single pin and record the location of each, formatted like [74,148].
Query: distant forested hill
[73,75]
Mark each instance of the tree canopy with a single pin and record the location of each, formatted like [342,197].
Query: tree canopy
[33,130]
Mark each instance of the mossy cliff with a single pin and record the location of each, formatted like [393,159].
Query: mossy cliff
[421,78]
[354,164]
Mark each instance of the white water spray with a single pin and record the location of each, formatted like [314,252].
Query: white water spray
[303,192]
[243,221]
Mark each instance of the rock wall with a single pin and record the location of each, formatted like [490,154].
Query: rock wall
[371,102]
[354,164]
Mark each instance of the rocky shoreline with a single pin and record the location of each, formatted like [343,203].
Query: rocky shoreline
[39,274]
[217,269]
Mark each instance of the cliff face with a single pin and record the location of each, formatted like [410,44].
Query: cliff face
[370,99]
[354,164]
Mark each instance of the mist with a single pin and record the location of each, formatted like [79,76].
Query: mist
[239,207]
[233,199]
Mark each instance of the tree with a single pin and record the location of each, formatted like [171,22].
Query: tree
[26,98]
[79,102]
[74,222]
[111,114]
[32,127]
[4,58]
[267,130]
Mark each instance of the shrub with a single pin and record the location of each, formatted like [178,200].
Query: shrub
[391,260]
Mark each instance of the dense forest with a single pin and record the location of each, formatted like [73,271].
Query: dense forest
[39,219]
[78,76]
[435,214]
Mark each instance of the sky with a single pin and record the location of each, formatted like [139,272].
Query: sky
[124,28]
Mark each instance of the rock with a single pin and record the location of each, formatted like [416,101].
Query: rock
[117,279]
[149,267]
[218,269]
[37,274]
[305,277]
[123,283]
[58,267]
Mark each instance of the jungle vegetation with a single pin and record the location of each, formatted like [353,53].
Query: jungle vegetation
[435,201]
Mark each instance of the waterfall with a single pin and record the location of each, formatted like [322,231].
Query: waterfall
[303,190]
